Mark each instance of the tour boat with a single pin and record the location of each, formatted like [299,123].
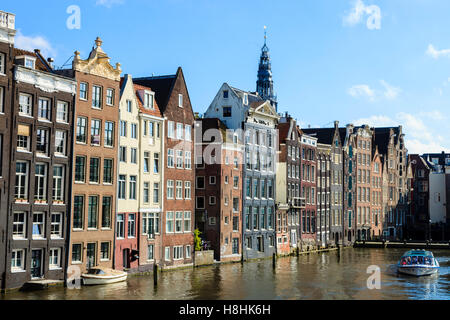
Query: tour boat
[97,276]
[418,263]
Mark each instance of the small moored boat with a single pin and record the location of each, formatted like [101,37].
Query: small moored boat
[97,276]
[418,263]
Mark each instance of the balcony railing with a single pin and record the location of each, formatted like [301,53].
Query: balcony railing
[7,20]
[297,202]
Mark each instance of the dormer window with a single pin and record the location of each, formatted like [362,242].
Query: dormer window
[245,99]
[180,100]
[29,62]
[149,101]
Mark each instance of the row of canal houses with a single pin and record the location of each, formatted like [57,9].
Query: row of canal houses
[100,169]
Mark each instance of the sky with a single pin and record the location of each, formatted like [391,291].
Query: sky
[376,62]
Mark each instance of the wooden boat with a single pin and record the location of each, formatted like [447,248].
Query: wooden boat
[96,276]
[418,263]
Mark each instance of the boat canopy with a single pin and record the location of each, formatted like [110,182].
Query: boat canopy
[418,253]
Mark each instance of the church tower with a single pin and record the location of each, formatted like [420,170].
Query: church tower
[264,84]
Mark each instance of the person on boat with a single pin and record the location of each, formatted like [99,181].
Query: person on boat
[428,260]
[403,261]
[420,260]
[408,260]
[414,260]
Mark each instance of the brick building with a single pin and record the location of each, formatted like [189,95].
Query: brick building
[95,159]
[218,192]
[172,97]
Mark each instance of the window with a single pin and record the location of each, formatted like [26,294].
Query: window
[171,130]
[62,109]
[80,169]
[123,128]
[226,112]
[54,259]
[146,190]
[106,212]
[156,192]
[150,252]
[95,132]
[187,133]
[56,225]
[23,138]
[178,253]
[38,225]
[179,190]
[96,97]
[42,141]
[44,109]
[146,162]
[169,222]
[200,202]
[167,253]
[76,253]
[108,171]
[60,142]
[151,129]
[148,101]
[109,134]
[179,131]
[110,97]
[170,158]
[133,180]
[212,180]
[78,212]
[81,129]
[187,190]
[40,186]
[94,170]
[92,212]
[134,155]
[134,130]
[17,260]
[19,225]
[122,154]
[131,225]
[200,182]
[83,91]
[235,182]
[212,200]
[2,63]
[120,226]
[104,251]
[235,204]
[187,160]
[170,189]
[58,183]
[179,159]
[178,221]
[180,100]
[25,104]
[187,221]
[156,163]
[129,105]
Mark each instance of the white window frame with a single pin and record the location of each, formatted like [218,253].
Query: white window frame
[62,108]
[28,105]
[44,176]
[188,132]
[180,100]
[59,225]
[178,253]
[167,253]
[179,159]
[2,103]
[170,221]
[23,223]
[14,267]
[49,108]
[180,131]
[170,189]
[187,190]
[179,190]
[171,129]
[188,160]
[187,221]
[110,97]
[56,190]
[51,257]
[58,139]
[2,63]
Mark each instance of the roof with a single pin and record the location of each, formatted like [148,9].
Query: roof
[40,65]
[323,135]
[154,112]
[161,85]
[252,96]
[283,131]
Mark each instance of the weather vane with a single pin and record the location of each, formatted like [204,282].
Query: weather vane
[265,34]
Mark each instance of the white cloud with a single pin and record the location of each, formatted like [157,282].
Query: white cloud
[433,115]
[108,3]
[37,42]
[420,137]
[358,12]
[436,54]
[390,92]
[362,90]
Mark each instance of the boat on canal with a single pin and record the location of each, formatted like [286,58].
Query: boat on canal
[98,276]
[418,263]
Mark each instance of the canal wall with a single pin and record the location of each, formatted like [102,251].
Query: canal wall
[407,245]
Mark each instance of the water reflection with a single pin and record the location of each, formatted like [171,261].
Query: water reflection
[334,275]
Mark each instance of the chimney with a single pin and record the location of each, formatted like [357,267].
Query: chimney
[336,124]
[50,62]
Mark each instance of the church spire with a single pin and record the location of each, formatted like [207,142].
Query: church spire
[264,84]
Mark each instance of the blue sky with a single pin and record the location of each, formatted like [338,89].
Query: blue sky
[380,62]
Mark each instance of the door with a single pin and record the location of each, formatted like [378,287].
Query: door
[126,258]
[90,252]
[36,264]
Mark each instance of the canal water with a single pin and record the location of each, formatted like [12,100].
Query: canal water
[315,276]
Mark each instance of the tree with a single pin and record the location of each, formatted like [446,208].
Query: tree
[197,240]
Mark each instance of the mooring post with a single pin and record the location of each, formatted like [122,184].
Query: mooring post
[297,251]
[155,274]
[274,260]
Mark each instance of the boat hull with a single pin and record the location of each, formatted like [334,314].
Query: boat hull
[417,270]
[89,280]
